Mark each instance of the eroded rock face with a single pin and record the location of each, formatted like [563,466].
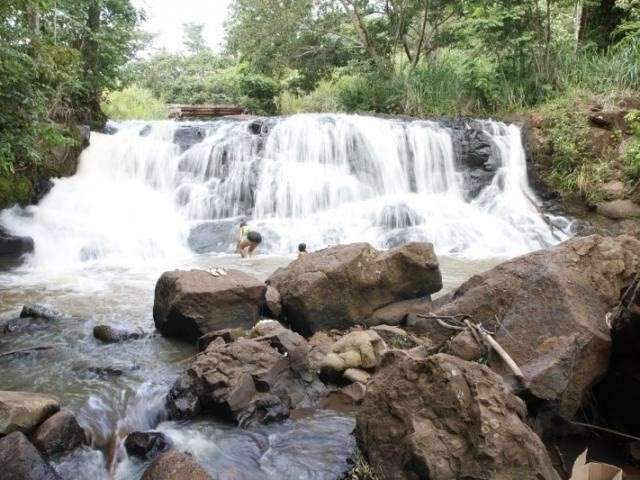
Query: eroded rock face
[548,309]
[343,286]
[250,380]
[175,465]
[443,418]
[59,433]
[189,304]
[23,411]
[19,460]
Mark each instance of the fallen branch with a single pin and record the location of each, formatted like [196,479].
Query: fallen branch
[604,429]
[31,349]
[491,342]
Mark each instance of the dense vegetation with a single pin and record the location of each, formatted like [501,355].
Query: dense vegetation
[67,61]
[57,57]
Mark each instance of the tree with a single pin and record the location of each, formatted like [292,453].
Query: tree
[194,38]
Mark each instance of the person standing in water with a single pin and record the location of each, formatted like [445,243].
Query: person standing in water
[248,240]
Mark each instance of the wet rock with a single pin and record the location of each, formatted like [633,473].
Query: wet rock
[273,303]
[13,247]
[59,433]
[396,313]
[251,380]
[397,216]
[548,310]
[40,311]
[175,465]
[146,445]
[23,411]
[217,236]
[444,418]
[115,369]
[186,136]
[355,391]
[20,460]
[109,334]
[40,189]
[619,209]
[358,349]
[189,304]
[343,286]
[227,334]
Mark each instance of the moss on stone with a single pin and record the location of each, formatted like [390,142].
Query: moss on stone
[14,189]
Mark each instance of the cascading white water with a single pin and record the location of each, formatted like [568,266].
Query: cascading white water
[318,179]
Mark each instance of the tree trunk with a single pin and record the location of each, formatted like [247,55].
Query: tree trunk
[94,115]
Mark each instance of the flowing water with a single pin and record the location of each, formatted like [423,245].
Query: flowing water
[167,195]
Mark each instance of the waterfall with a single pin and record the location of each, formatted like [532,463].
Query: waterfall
[145,191]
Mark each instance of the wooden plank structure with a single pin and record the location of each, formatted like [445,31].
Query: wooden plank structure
[191,112]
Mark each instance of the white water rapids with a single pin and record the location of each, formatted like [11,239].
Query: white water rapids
[318,179]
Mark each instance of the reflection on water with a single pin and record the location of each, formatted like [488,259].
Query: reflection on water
[118,388]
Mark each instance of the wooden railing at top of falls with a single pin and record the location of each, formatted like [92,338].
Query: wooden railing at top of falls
[180,112]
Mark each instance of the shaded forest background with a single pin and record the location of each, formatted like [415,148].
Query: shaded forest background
[69,62]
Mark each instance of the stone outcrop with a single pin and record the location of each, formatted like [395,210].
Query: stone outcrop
[273,303]
[13,247]
[343,286]
[23,411]
[59,433]
[397,313]
[548,310]
[175,465]
[443,418]
[250,380]
[189,304]
[20,460]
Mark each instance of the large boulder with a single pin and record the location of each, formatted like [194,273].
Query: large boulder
[23,411]
[110,334]
[548,310]
[59,433]
[175,465]
[343,286]
[249,380]
[189,304]
[444,418]
[20,460]
[619,209]
[13,247]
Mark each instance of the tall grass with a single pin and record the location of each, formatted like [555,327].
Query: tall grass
[134,103]
[457,82]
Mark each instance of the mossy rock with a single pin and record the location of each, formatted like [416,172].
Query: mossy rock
[15,189]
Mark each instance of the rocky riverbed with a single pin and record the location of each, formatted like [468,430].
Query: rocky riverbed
[345,363]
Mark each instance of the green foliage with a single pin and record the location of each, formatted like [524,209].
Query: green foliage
[134,102]
[632,152]
[576,169]
[14,189]
[56,59]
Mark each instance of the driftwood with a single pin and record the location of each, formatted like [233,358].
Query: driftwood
[480,334]
[604,429]
[31,349]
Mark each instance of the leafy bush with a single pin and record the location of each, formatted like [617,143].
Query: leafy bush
[134,102]
[632,152]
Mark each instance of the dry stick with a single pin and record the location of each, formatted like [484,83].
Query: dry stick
[31,349]
[503,354]
[604,429]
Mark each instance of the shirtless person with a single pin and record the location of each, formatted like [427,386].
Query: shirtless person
[248,240]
